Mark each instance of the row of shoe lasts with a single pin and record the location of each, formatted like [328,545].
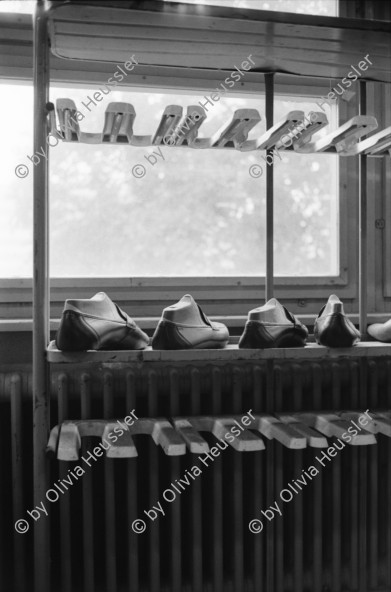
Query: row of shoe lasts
[98,323]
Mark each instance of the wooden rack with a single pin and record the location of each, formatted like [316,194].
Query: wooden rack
[293,430]
[176,130]
[210,39]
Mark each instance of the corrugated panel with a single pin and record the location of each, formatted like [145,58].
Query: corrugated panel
[219,39]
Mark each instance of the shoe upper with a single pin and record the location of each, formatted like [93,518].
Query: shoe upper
[272,325]
[333,328]
[98,323]
[185,326]
[381,331]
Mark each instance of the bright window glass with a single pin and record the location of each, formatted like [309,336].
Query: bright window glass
[20,6]
[193,213]
[319,7]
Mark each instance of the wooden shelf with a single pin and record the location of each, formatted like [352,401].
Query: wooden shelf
[231,353]
[214,38]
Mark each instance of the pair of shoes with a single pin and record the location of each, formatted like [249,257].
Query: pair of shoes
[381,331]
[98,323]
[272,325]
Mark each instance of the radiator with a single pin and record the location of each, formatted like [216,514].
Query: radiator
[334,535]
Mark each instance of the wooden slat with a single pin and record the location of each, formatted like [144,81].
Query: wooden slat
[383,423]
[273,135]
[237,130]
[302,133]
[246,441]
[68,125]
[69,442]
[377,145]
[332,426]
[168,122]
[314,438]
[271,427]
[344,139]
[118,125]
[187,130]
[124,447]
[194,441]
[51,448]
[168,438]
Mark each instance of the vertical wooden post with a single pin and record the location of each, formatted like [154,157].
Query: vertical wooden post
[41,393]
[362,216]
[269,108]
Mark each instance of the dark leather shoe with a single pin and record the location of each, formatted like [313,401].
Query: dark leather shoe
[98,323]
[333,328]
[184,326]
[381,331]
[272,325]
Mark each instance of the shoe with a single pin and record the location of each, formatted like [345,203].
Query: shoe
[184,326]
[381,331]
[272,325]
[98,323]
[333,328]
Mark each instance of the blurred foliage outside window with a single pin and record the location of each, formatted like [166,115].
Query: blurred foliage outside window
[194,213]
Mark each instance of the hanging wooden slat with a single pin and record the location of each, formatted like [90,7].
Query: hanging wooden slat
[314,438]
[236,132]
[273,428]
[195,442]
[245,441]
[377,145]
[332,425]
[343,139]
[169,120]
[270,138]
[315,121]
[118,126]
[187,130]
[123,447]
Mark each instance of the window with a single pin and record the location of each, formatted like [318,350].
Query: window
[192,213]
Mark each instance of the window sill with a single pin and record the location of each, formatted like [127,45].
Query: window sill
[231,353]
